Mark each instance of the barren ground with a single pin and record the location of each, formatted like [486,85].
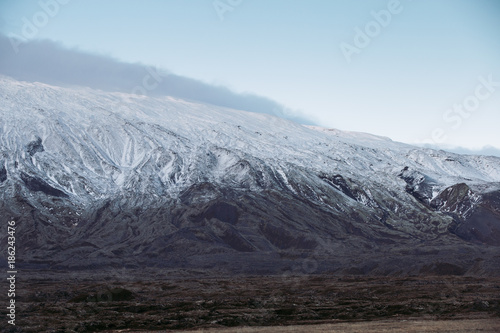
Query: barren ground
[323,303]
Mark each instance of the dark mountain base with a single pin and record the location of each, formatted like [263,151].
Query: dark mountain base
[239,232]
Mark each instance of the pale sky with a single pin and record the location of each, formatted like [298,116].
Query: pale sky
[415,71]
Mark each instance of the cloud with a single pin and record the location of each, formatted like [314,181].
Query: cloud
[48,62]
[486,151]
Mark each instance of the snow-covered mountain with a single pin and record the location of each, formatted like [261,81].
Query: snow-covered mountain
[99,178]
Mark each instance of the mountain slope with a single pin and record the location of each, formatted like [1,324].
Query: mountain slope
[95,178]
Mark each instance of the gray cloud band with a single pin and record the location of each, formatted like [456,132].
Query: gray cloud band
[48,62]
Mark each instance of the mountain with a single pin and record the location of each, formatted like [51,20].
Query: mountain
[96,179]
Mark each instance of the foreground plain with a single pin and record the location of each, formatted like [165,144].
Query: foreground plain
[88,302]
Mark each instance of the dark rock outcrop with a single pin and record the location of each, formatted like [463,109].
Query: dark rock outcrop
[3,173]
[37,185]
[35,146]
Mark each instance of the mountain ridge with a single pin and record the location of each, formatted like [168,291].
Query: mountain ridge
[98,178]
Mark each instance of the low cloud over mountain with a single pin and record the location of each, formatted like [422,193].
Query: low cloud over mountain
[48,62]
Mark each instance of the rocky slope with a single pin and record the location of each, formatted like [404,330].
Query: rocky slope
[97,179]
